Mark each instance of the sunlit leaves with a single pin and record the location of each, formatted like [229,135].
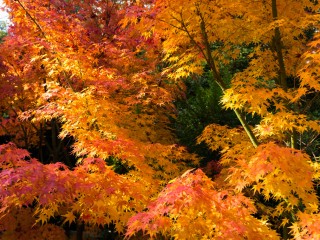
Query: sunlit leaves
[219,137]
[279,173]
[281,122]
[307,227]
[192,206]
[110,85]
[54,187]
[309,72]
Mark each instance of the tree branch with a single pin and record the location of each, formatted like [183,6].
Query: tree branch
[220,82]
[32,18]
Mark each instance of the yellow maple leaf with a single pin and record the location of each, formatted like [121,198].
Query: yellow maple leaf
[70,218]
[257,187]
[284,222]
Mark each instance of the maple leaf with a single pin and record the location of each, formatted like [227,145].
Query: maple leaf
[42,218]
[69,217]
[284,222]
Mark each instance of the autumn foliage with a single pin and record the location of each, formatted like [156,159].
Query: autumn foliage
[104,76]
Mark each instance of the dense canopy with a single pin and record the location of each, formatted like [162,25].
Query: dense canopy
[89,92]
